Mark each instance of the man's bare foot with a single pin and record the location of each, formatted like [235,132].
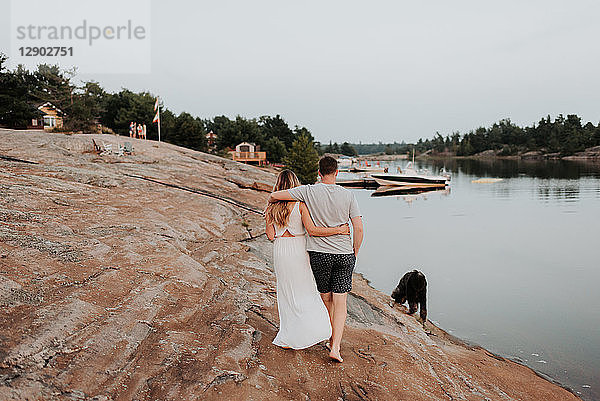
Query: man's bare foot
[335,355]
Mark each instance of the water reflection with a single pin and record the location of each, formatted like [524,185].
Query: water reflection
[504,168]
[523,247]
[545,180]
[409,195]
[407,190]
[566,192]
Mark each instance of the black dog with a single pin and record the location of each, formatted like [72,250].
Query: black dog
[413,287]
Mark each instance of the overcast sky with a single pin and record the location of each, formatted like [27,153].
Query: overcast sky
[374,70]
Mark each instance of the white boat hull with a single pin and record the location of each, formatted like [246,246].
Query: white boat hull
[424,184]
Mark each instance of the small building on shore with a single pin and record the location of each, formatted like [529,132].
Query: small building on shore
[49,117]
[249,153]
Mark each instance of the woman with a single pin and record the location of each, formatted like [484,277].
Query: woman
[303,318]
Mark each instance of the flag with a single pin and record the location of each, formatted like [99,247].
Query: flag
[156,118]
[156,105]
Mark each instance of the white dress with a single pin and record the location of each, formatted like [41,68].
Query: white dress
[303,318]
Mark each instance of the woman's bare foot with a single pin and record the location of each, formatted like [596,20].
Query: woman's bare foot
[335,355]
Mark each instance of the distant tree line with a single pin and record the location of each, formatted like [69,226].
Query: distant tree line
[343,149]
[563,135]
[356,149]
[86,105]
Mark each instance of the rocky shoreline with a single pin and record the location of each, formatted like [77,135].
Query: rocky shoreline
[147,277]
[590,155]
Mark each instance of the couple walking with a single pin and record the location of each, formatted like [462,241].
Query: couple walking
[314,272]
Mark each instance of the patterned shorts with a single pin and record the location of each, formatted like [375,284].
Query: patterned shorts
[333,272]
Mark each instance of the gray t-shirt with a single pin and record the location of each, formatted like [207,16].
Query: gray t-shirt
[330,206]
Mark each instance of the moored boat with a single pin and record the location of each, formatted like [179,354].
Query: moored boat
[371,169]
[345,163]
[409,176]
[410,179]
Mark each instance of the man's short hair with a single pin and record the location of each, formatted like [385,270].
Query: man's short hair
[327,165]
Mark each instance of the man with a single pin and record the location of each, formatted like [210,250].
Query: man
[332,258]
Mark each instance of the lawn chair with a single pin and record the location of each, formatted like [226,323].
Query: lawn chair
[107,148]
[121,151]
[96,147]
[128,148]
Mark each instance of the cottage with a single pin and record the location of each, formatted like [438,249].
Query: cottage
[50,117]
[247,152]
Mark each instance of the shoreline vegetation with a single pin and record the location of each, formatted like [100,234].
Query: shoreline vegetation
[88,108]
[123,288]
[564,138]
[590,154]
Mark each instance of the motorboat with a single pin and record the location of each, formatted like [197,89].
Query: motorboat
[410,176]
[345,163]
[370,169]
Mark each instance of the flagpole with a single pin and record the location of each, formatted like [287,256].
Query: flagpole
[159,123]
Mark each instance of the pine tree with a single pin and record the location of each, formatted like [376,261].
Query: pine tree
[276,150]
[348,150]
[303,159]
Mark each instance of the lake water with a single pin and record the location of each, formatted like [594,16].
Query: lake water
[513,266]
